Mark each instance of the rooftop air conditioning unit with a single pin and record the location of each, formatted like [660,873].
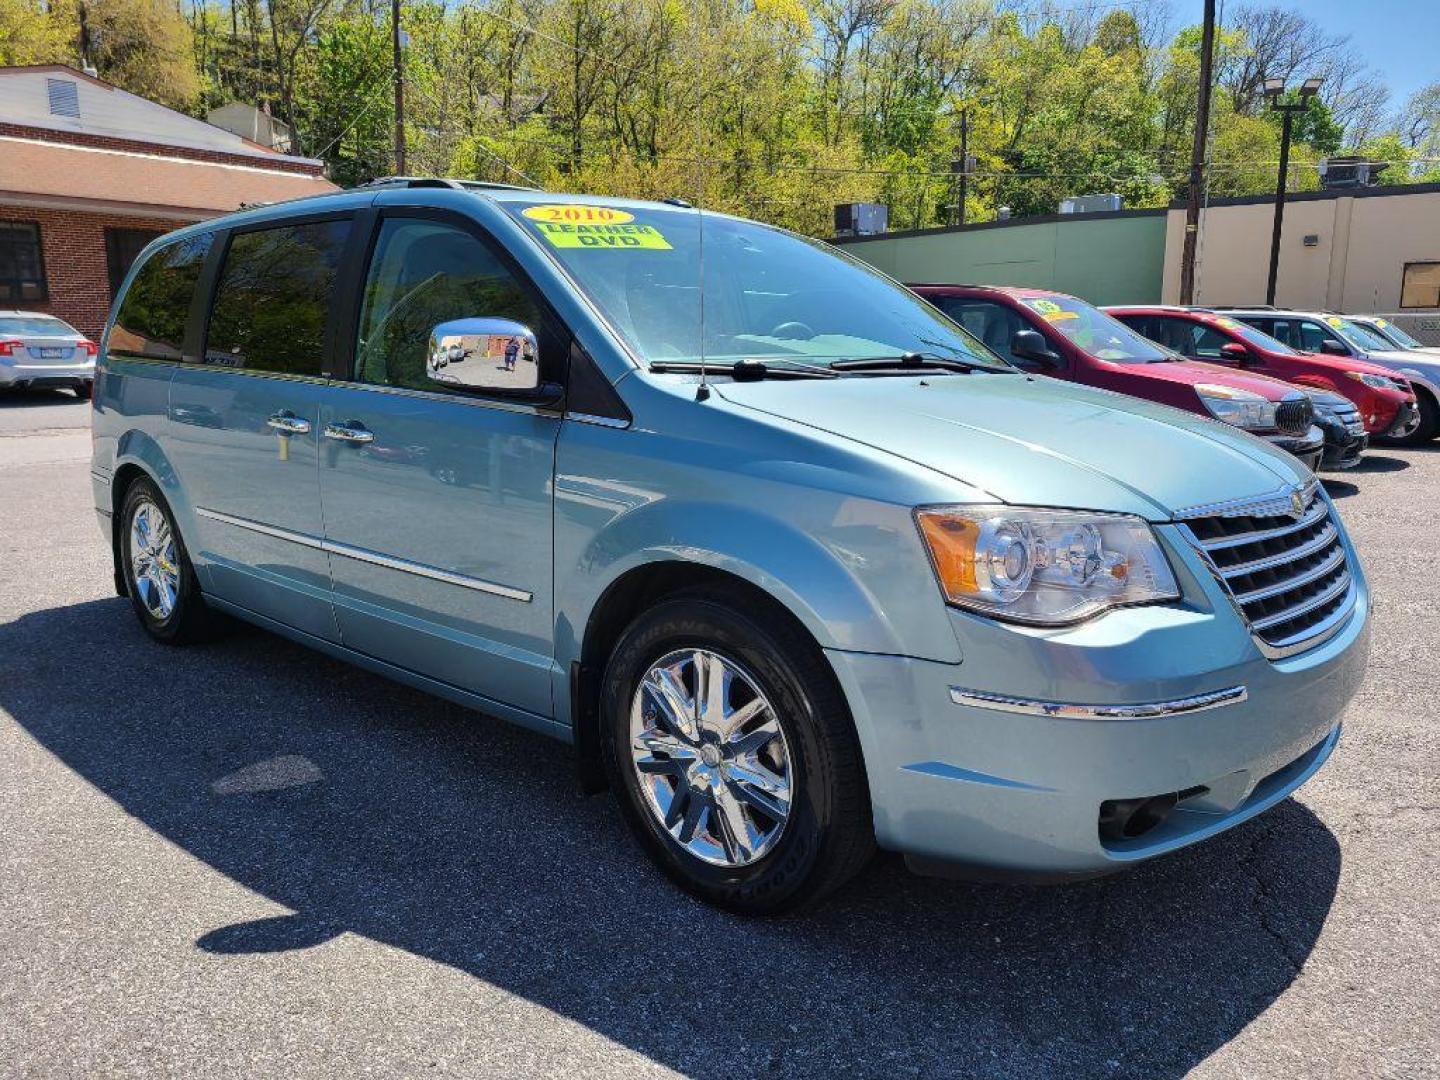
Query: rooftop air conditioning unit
[861,219]
[1091,204]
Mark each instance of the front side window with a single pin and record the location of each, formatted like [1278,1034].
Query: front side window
[1420,286]
[679,285]
[1094,332]
[273,297]
[994,324]
[1194,339]
[22,264]
[152,316]
[425,273]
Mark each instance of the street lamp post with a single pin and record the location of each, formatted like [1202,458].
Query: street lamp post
[1275,91]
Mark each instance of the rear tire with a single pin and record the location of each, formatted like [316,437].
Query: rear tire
[83,390]
[158,575]
[768,817]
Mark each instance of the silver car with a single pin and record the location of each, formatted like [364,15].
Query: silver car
[38,350]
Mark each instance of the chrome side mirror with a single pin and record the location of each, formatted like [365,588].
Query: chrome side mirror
[496,355]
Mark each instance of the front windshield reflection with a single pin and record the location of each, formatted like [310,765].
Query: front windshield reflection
[769,295]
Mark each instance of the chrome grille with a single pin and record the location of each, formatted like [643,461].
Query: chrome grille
[1285,568]
[1295,415]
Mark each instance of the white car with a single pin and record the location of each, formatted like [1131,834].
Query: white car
[39,350]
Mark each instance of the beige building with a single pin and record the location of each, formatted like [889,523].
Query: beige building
[1348,250]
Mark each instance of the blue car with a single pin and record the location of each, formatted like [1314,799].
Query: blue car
[796,565]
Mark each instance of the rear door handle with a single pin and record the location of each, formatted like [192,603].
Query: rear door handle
[288,423]
[349,431]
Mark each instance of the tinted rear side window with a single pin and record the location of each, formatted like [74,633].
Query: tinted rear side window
[151,320]
[273,298]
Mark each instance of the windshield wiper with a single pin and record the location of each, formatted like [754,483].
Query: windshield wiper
[746,370]
[912,362]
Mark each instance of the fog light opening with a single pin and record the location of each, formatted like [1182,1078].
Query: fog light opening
[1130,819]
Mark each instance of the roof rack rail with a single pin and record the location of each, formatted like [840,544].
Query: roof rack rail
[437,182]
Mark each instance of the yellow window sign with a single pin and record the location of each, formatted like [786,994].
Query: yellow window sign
[1228,324]
[1335,321]
[1060,316]
[1045,307]
[571,226]
[1381,323]
[570,214]
[619,237]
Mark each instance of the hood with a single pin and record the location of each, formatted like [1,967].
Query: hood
[1192,372]
[1037,441]
[1426,364]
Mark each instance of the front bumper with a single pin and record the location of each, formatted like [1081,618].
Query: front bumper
[1343,448]
[1309,448]
[57,374]
[1000,789]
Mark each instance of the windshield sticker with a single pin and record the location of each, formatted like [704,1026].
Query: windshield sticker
[1381,323]
[1060,316]
[594,227]
[1335,321]
[1228,324]
[579,215]
[1045,307]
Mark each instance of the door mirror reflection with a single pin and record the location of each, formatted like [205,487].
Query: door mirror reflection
[484,354]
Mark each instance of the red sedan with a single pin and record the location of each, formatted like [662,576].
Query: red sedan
[1385,399]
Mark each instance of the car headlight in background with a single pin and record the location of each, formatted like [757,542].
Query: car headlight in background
[1242,408]
[1379,382]
[1044,567]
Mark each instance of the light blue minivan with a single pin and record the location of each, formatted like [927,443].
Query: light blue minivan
[797,566]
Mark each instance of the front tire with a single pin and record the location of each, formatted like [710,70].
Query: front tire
[733,755]
[159,577]
[1426,429]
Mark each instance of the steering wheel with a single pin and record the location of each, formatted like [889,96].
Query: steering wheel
[793,330]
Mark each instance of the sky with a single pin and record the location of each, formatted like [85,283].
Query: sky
[1400,39]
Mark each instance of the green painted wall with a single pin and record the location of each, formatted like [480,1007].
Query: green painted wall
[1104,259]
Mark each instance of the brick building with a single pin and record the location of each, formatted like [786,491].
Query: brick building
[89,174]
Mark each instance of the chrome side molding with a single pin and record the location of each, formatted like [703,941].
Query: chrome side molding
[1029,707]
[375,558]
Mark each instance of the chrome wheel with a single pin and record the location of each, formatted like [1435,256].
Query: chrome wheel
[1405,430]
[710,757]
[154,561]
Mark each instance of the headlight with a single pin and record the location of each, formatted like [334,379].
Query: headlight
[1379,382]
[1044,567]
[1239,407]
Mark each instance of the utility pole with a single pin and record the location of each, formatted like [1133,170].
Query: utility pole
[1197,158]
[1275,91]
[964,165]
[399,88]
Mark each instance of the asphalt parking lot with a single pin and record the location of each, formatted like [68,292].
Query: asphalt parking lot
[246,859]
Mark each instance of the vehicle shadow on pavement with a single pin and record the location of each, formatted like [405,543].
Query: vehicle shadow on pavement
[368,808]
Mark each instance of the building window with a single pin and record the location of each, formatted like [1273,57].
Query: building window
[122,247]
[1420,287]
[22,266]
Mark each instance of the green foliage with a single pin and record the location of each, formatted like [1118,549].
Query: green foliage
[775,109]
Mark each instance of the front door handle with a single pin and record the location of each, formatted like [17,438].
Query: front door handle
[349,431]
[287,423]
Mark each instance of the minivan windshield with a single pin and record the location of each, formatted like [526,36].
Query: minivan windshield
[768,294]
[1096,333]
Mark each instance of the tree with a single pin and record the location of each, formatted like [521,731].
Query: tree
[144,46]
[29,35]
